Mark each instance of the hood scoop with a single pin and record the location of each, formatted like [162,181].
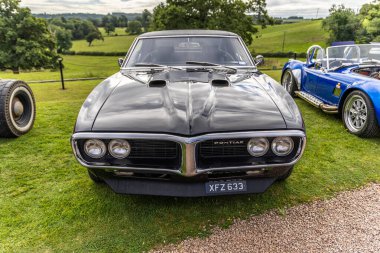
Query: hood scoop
[219,80]
[220,83]
[159,80]
[162,79]
[157,83]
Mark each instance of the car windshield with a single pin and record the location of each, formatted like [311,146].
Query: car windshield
[354,54]
[181,51]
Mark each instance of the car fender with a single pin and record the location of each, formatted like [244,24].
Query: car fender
[296,67]
[284,102]
[370,88]
[94,102]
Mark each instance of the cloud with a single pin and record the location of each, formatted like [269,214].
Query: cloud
[278,8]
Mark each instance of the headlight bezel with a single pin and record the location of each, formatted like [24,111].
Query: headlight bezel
[101,144]
[118,141]
[276,142]
[263,140]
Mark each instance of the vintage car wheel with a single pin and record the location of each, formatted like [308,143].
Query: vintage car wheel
[359,115]
[17,108]
[289,83]
[94,177]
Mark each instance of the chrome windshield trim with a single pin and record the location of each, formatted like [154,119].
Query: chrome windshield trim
[188,145]
[133,46]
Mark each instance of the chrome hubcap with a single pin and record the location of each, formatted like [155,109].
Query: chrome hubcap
[17,108]
[287,82]
[356,113]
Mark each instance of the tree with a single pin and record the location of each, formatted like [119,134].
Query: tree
[79,28]
[109,28]
[63,38]
[123,21]
[96,22]
[25,41]
[93,36]
[105,20]
[230,15]
[145,19]
[134,27]
[115,21]
[342,24]
[370,18]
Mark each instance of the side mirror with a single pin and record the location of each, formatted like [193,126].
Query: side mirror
[259,60]
[120,62]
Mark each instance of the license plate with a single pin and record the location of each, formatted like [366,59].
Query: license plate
[224,187]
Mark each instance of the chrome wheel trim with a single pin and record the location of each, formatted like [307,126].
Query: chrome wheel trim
[17,108]
[356,114]
[287,81]
[14,109]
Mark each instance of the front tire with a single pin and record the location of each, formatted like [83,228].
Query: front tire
[359,115]
[17,108]
[289,82]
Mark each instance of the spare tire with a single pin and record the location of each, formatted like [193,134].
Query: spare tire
[17,108]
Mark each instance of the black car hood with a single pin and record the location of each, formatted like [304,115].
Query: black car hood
[188,105]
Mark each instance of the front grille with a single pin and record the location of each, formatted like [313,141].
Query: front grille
[233,153]
[223,148]
[153,154]
[154,149]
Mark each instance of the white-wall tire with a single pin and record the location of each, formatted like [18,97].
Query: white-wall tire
[17,108]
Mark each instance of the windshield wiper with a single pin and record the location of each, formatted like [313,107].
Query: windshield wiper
[154,65]
[210,64]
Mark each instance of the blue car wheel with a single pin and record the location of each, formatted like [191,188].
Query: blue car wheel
[289,83]
[359,115]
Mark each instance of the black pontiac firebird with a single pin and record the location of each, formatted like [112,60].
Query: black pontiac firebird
[189,114]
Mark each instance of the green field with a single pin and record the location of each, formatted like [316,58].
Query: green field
[75,67]
[118,30]
[48,204]
[110,44]
[97,66]
[298,38]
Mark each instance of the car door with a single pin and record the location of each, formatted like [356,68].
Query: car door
[326,85]
[313,69]
[329,80]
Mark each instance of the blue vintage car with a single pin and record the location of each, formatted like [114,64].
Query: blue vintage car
[342,80]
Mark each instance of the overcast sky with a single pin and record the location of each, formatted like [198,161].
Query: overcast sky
[277,8]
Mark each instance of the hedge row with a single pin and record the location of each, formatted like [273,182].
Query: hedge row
[282,55]
[275,55]
[96,53]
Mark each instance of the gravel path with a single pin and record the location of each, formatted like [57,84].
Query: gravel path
[348,223]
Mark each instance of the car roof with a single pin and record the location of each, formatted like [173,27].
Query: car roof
[187,33]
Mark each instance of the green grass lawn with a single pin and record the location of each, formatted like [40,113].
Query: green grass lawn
[110,44]
[299,37]
[48,204]
[98,66]
[118,31]
[75,67]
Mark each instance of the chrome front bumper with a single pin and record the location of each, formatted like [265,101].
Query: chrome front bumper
[189,167]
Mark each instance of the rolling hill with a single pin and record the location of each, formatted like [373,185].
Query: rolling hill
[298,37]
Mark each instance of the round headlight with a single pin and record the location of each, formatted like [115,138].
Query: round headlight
[282,146]
[119,149]
[95,148]
[258,146]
